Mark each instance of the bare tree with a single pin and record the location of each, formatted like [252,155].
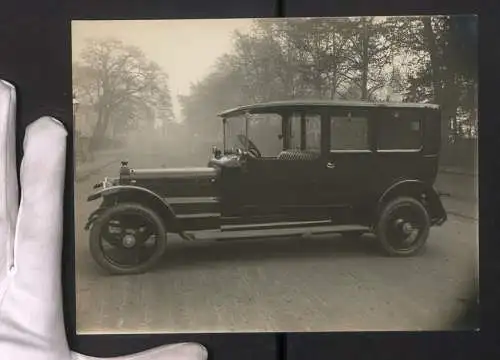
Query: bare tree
[113,77]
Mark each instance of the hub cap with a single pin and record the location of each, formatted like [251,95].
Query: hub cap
[405,227]
[129,241]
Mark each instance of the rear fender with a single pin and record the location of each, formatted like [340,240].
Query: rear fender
[420,191]
[129,193]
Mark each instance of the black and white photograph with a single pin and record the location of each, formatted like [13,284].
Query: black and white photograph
[275,175]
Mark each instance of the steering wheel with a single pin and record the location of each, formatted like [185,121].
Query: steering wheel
[252,149]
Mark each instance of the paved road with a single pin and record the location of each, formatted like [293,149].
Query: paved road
[321,284]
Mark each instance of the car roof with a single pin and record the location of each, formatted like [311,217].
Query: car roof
[276,105]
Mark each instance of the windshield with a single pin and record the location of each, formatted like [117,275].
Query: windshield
[264,130]
[234,126]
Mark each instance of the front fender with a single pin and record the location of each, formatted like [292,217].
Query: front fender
[115,189]
[129,193]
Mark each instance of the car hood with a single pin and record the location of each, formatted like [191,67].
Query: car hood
[174,173]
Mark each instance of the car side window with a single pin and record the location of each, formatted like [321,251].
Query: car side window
[349,132]
[400,130]
[313,132]
[264,131]
[295,126]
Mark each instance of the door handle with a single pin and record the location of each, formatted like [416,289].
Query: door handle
[330,165]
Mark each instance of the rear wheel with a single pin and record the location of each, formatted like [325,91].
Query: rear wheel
[128,238]
[403,227]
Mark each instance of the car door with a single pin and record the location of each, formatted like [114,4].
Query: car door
[349,167]
[289,183]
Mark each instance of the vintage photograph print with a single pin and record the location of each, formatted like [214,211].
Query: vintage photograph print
[275,175]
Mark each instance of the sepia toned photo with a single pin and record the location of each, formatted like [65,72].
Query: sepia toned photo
[275,175]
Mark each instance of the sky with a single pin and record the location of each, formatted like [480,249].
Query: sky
[185,49]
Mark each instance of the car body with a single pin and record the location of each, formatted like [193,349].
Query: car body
[319,167]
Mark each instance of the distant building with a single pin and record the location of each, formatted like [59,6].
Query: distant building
[394,90]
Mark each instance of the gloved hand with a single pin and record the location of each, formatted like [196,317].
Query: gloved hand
[31,317]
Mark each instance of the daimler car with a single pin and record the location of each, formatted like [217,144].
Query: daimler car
[286,168]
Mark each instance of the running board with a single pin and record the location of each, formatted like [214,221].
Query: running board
[275,225]
[271,233]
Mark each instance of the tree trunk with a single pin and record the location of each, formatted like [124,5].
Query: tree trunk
[430,40]
[333,86]
[364,69]
[94,137]
[99,130]
[437,80]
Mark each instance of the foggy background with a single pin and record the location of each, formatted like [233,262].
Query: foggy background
[155,87]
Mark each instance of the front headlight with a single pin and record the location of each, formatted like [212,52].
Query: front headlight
[108,182]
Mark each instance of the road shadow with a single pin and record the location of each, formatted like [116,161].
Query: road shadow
[203,253]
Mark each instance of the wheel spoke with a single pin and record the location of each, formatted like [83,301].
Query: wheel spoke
[125,240]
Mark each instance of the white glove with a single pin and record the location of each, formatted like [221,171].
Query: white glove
[31,317]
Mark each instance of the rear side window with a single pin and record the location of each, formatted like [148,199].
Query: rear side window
[400,130]
[349,132]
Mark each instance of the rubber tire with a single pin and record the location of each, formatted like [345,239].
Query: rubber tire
[391,206]
[95,247]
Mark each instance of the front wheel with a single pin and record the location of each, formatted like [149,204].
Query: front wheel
[128,238]
[403,227]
